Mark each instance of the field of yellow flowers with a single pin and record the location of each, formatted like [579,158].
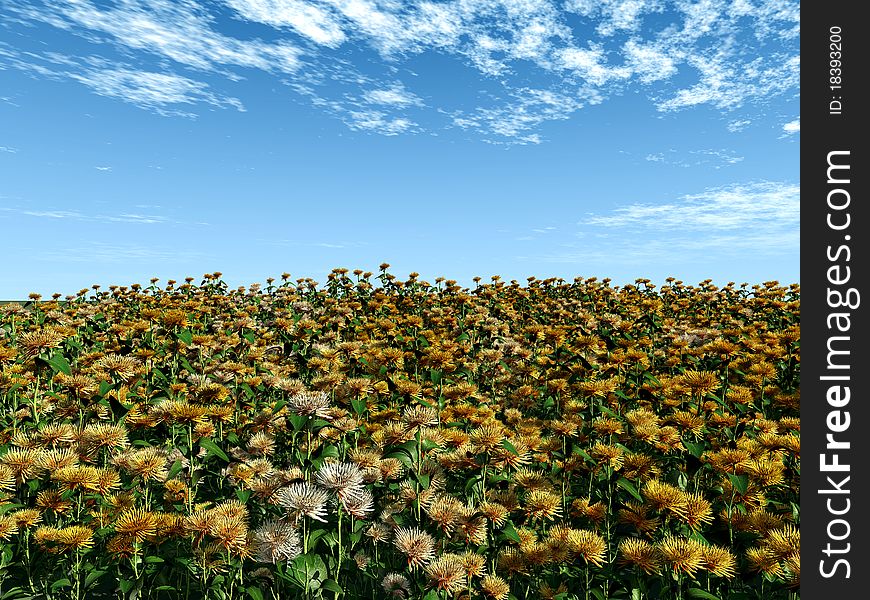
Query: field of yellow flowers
[378,438]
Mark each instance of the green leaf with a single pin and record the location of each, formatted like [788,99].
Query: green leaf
[60,364]
[255,593]
[186,364]
[509,447]
[186,336]
[329,452]
[243,495]
[298,421]
[510,532]
[702,594]
[174,469]
[213,448]
[740,482]
[314,536]
[4,508]
[61,583]
[153,560]
[696,449]
[598,593]
[332,586]
[92,577]
[359,405]
[584,454]
[629,487]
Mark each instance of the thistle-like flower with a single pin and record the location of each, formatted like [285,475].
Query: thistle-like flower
[396,585]
[147,463]
[641,554]
[719,561]
[276,541]
[419,416]
[231,532]
[8,526]
[360,504]
[343,478]
[136,524]
[313,404]
[446,573]
[417,545]
[588,545]
[495,587]
[683,554]
[543,505]
[304,499]
[75,537]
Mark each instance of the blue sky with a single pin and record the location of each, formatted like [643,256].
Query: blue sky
[621,139]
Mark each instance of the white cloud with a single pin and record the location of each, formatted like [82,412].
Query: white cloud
[306,18]
[179,30]
[738,125]
[681,53]
[725,84]
[50,214]
[378,122]
[80,216]
[8,149]
[395,95]
[101,168]
[591,65]
[614,15]
[739,222]
[765,205]
[152,90]
[99,252]
[649,62]
[792,127]
[705,157]
[515,121]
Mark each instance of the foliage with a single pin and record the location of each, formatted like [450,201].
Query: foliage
[381,438]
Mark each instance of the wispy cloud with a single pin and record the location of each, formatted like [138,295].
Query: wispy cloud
[767,205]
[740,221]
[517,121]
[792,127]
[332,244]
[738,125]
[541,60]
[156,91]
[8,149]
[396,95]
[98,252]
[80,216]
[708,157]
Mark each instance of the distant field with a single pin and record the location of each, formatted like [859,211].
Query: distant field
[374,438]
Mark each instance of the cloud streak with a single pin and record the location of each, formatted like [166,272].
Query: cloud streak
[766,205]
[75,215]
[540,60]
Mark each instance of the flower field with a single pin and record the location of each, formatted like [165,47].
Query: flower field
[378,438]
